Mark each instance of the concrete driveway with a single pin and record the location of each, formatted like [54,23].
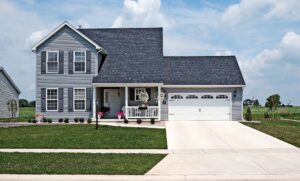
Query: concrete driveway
[226,148]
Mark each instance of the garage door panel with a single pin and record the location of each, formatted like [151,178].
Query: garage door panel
[198,108]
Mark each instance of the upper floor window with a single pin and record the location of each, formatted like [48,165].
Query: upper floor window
[79,62]
[177,97]
[52,99]
[79,99]
[52,62]
[137,93]
[191,97]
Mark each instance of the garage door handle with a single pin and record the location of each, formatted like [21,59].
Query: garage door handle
[171,114]
[199,109]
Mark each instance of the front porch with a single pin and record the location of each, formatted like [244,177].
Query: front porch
[114,98]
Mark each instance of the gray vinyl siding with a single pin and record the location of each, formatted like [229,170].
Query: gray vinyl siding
[237,102]
[7,92]
[64,40]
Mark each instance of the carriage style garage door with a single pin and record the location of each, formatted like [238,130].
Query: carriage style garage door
[199,106]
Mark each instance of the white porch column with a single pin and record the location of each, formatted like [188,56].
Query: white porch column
[126,101]
[159,103]
[94,102]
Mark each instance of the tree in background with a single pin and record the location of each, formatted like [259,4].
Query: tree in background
[273,102]
[256,103]
[23,103]
[247,102]
[32,104]
[12,107]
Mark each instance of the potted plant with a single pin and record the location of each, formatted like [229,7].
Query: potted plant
[100,115]
[120,115]
[144,97]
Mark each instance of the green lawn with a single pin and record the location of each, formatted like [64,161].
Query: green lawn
[281,112]
[82,136]
[287,131]
[24,114]
[77,163]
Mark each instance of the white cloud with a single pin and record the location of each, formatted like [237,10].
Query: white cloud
[83,23]
[140,13]
[225,52]
[34,37]
[252,10]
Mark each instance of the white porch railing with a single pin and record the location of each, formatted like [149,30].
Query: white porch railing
[135,112]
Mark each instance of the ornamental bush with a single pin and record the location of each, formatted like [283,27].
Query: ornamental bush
[248,115]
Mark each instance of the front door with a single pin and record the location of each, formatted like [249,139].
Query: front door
[112,100]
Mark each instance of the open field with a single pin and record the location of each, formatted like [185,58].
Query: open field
[25,114]
[82,136]
[281,112]
[77,163]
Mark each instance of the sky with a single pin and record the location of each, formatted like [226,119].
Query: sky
[263,35]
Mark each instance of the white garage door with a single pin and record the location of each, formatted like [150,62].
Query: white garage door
[199,106]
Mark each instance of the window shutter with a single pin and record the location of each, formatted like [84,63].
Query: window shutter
[88,99]
[61,62]
[70,62]
[131,94]
[88,62]
[43,62]
[43,99]
[61,100]
[148,90]
[70,99]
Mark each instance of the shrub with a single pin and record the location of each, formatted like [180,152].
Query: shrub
[248,115]
[76,120]
[66,120]
[49,120]
[34,121]
[81,120]
[61,120]
[266,115]
[139,121]
[125,121]
[29,120]
[285,114]
[152,121]
[45,120]
[89,121]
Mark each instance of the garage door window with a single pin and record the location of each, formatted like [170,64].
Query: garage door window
[222,97]
[207,97]
[191,97]
[177,97]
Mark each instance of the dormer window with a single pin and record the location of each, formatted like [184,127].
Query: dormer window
[79,62]
[52,61]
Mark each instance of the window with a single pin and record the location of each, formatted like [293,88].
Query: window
[222,97]
[52,99]
[177,97]
[79,61]
[79,99]
[52,62]
[207,97]
[137,93]
[191,97]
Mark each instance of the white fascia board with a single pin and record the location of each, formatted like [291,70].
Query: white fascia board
[201,86]
[65,23]
[127,84]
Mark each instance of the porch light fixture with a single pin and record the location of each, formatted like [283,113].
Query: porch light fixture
[234,93]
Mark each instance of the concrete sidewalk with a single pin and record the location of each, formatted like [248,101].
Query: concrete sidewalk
[20,177]
[123,151]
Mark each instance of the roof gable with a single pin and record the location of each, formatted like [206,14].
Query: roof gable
[99,48]
[10,80]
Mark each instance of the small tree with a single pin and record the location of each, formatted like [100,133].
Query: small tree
[12,107]
[23,103]
[248,115]
[256,103]
[273,102]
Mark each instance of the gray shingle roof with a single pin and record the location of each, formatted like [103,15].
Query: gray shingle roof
[202,70]
[134,55]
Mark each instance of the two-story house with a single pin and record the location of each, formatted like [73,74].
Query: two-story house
[82,71]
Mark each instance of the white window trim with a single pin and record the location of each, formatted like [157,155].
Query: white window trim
[51,99]
[79,99]
[135,94]
[56,61]
[84,62]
